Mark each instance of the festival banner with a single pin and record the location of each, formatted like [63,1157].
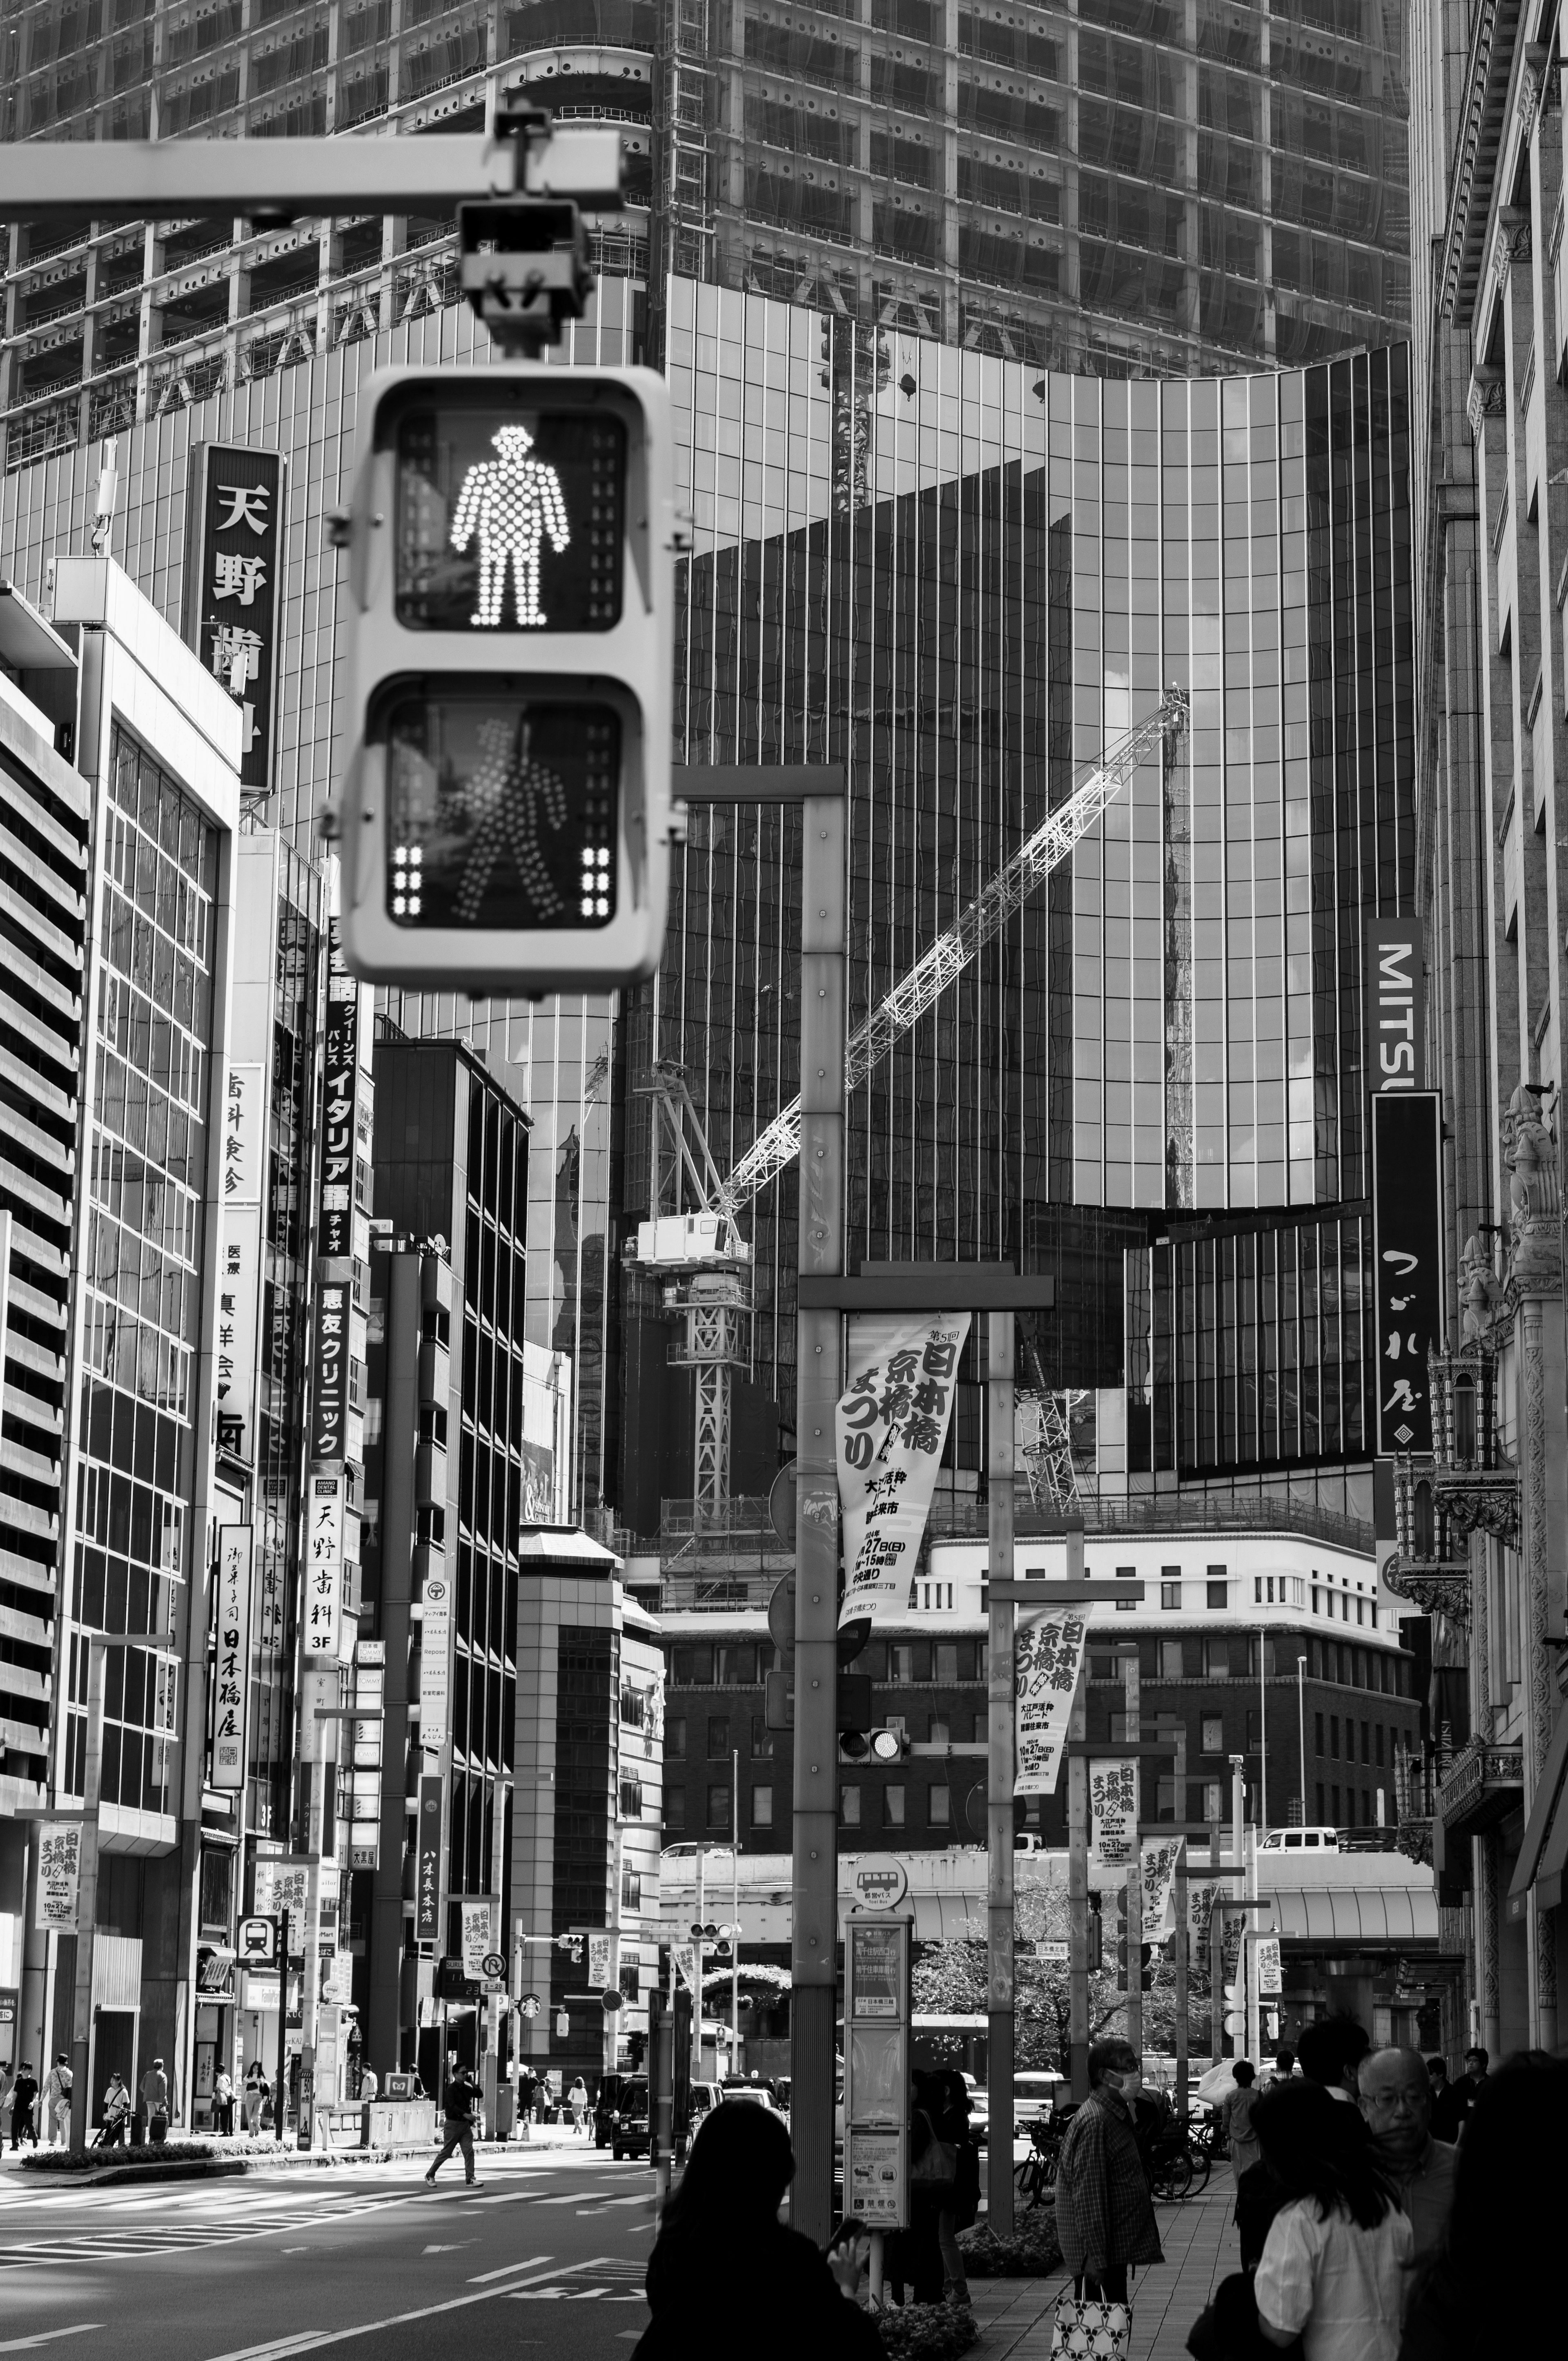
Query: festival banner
[1047,1658]
[890,1426]
[1161,1860]
[59,1875]
[1270,1966]
[1113,1812]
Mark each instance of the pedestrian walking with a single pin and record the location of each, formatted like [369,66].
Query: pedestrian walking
[578,2100]
[1451,2104]
[370,2085]
[960,2208]
[116,2111]
[24,2099]
[56,2103]
[1284,2066]
[1395,2102]
[1104,2213]
[527,2085]
[1492,2285]
[223,2105]
[724,2268]
[1236,2112]
[460,2093]
[1334,2267]
[1330,2054]
[155,2102]
[255,2090]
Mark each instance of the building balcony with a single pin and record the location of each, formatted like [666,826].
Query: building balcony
[1483,1785]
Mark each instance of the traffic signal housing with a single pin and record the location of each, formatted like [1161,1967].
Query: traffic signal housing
[503,812]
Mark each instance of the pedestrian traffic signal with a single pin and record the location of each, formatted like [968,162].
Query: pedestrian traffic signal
[503,809]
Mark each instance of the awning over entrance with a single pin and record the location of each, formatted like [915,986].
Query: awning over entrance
[1543,1856]
[1376,1914]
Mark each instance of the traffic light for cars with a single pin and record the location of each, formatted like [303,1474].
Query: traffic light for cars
[1235,2011]
[885,1745]
[503,810]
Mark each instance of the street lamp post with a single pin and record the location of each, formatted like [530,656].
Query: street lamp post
[1302,1730]
[98,1645]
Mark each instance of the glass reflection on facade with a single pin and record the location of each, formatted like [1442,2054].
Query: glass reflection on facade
[970,581]
[147,1152]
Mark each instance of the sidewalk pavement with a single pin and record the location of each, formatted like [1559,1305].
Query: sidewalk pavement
[1016,2316]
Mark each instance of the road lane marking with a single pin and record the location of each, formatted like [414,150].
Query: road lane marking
[312,2339]
[47,2336]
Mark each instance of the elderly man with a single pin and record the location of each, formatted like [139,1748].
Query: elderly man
[1104,2215]
[1395,2100]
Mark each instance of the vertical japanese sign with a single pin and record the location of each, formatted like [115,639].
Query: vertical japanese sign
[1047,1657]
[686,1964]
[478,1942]
[1161,1859]
[329,1393]
[890,1426]
[230,1682]
[601,1962]
[434,1661]
[283,1891]
[1271,1967]
[59,1875]
[427,1865]
[369,1695]
[1396,1005]
[239,1283]
[335,1216]
[1113,1812]
[877,2029]
[232,589]
[323,1563]
[1407,1252]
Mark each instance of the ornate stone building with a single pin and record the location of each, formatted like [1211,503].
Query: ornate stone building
[1484,1526]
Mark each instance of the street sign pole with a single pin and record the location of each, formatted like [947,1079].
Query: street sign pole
[1000,1916]
[281,1936]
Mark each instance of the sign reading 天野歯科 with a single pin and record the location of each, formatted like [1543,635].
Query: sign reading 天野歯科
[889,1429]
[232,589]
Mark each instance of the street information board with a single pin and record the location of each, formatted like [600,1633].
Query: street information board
[876,2070]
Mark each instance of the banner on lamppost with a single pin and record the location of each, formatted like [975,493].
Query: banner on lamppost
[283,1891]
[601,1962]
[231,1673]
[686,1964]
[1161,1860]
[1113,1812]
[59,1875]
[1047,1658]
[1270,1966]
[477,1943]
[890,1426]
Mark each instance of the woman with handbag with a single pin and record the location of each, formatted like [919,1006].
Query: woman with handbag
[959,2208]
[916,2253]
[1336,2266]
[1104,2213]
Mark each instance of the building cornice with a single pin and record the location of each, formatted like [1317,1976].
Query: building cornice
[1483,121]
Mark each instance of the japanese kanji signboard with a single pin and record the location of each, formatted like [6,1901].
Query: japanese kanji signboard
[59,1875]
[435,1661]
[322,1587]
[427,1872]
[888,1428]
[1113,1812]
[1407,1252]
[1047,1657]
[233,588]
[329,1392]
[1161,1859]
[335,1221]
[231,1670]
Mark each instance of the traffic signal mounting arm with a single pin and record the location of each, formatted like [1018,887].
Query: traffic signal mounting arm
[945,961]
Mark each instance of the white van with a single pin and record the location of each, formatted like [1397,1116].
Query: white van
[1300,1841]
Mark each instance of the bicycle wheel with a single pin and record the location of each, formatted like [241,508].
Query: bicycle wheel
[1202,2164]
[1173,2174]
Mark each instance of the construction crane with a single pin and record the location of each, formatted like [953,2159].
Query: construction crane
[1042,1432]
[778,1147]
[703,1253]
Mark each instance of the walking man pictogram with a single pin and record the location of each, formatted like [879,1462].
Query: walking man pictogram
[511,503]
[505,795]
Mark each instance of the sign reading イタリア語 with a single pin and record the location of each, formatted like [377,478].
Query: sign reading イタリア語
[334,1221]
[233,586]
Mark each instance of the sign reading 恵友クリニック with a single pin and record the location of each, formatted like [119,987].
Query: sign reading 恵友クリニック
[329,1391]
[233,586]
[231,1674]
[889,1429]
[1047,1657]
[1407,1248]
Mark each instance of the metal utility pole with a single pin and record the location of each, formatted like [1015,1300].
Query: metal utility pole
[814,1944]
[1000,1920]
[1216,1948]
[1301,1730]
[1262,1729]
[701,1954]
[735,1911]
[1132,1899]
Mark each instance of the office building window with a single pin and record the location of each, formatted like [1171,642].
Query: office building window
[948,1660]
[761,1808]
[1127,1574]
[893,1808]
[1320,1747]
[1213,1734]
[1321,1814]
[1367,1741]
[941,1733]
[1170,1666]
[1217,1659]
[675,1739]
[692,1668]
[631,1799]
[1333,1801]
[1218,1593]
[850,1807]
[718,1808]
[1333,1745]
[631,1887]
[717,1737]
[761,1740]
[735,1664]
[674,1809]
[1213,1801]
[938,1806]
[1165,1807]
[1170,1594]
[1377,1735]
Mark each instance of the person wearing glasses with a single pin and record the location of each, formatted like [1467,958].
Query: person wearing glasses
[1395,2104]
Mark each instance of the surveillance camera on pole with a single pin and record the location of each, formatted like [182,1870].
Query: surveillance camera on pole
[502,815]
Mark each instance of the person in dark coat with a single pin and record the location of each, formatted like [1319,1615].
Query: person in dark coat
[725,2273]
[1492,2287]
[1104,2213]
[24,2099]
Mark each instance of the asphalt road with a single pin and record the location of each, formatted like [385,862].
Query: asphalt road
[547,2256]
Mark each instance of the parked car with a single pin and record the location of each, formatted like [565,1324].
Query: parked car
[704,2098]
[1300,1841]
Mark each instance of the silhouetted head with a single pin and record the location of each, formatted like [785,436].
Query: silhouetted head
[740,2165]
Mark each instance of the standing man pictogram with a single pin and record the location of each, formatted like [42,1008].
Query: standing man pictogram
[511,503]
[504,796]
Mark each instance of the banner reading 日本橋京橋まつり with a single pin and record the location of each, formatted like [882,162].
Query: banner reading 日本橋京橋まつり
[1047,1657]
[888,1428]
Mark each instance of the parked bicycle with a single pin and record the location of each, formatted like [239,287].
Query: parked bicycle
[1037,2173]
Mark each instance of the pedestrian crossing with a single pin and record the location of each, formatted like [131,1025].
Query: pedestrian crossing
[226,2222]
